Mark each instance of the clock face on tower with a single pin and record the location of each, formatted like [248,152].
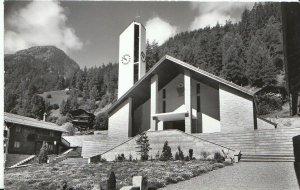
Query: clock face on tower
[125,59]
[143,57]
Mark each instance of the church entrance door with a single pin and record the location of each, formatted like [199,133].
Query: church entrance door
[179,125]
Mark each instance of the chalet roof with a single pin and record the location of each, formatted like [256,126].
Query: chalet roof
[22,120]
[81,113]
[167,68]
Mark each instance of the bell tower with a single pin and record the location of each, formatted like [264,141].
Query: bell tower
[132,56]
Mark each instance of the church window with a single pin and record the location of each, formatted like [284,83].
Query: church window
[136,42]
[136,72]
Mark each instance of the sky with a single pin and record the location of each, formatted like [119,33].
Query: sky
[89,31]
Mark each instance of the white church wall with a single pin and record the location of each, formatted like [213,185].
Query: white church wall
[210,125]
[236,112]
[141,118]
[119,122]
[173,99]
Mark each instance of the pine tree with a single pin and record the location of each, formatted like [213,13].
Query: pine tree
[143,146]
[166,152]
[94,94]
[233,59]
[111,182]
[43,154]
[260,70]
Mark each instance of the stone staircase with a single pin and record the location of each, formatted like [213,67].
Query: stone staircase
[157,139]
[269,145]
[92,148]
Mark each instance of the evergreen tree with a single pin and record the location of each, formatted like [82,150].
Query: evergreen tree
[260,70]
[152,55]
[111,182]
[43,154]
[233,59]
[94,94]
[143,146]
[38,107]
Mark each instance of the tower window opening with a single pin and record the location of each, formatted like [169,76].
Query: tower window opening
[136,72]
[136,42]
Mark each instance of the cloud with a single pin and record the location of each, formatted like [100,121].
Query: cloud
[40,23]
[209,14]
[159,30]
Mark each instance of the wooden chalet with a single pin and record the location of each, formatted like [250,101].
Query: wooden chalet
[24,135]
[82,119]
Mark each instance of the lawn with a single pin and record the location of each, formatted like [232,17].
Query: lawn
[86,176]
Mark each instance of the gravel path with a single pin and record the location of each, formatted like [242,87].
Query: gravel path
[245,175]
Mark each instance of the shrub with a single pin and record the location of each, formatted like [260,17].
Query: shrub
[120,157]
[55,106]
[166,153]
[191,152]
[177,156]
[219,157]
[43,154]
[180,154]
[111,182]
[48,96]
[205,154]
[143,146]
[187,158]
[267,103]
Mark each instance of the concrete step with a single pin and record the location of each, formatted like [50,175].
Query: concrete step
[268,158]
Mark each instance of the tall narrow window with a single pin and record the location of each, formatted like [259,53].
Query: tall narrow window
[198,88]
[198,98]
[136,72]
[164,106]
[164,100]
[136,42]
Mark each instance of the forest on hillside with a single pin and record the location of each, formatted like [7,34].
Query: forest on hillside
[248,53]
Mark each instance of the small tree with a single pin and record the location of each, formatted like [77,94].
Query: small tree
[43,155]
[111,182]
[166,153]
[180,153]
[191,152]
[143,146]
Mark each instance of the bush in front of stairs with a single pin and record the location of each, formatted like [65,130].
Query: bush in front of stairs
[191,153]
[120,158]
[43,154]
[111,182]
[179,155]
[166,153]
[143,146]
[204,154]
[219,157]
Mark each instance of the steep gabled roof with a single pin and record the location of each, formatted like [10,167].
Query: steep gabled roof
[168,67]
[22,120]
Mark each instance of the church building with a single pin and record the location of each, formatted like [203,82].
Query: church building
[175,95]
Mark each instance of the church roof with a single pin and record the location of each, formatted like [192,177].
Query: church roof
[167,68]
[27,121]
